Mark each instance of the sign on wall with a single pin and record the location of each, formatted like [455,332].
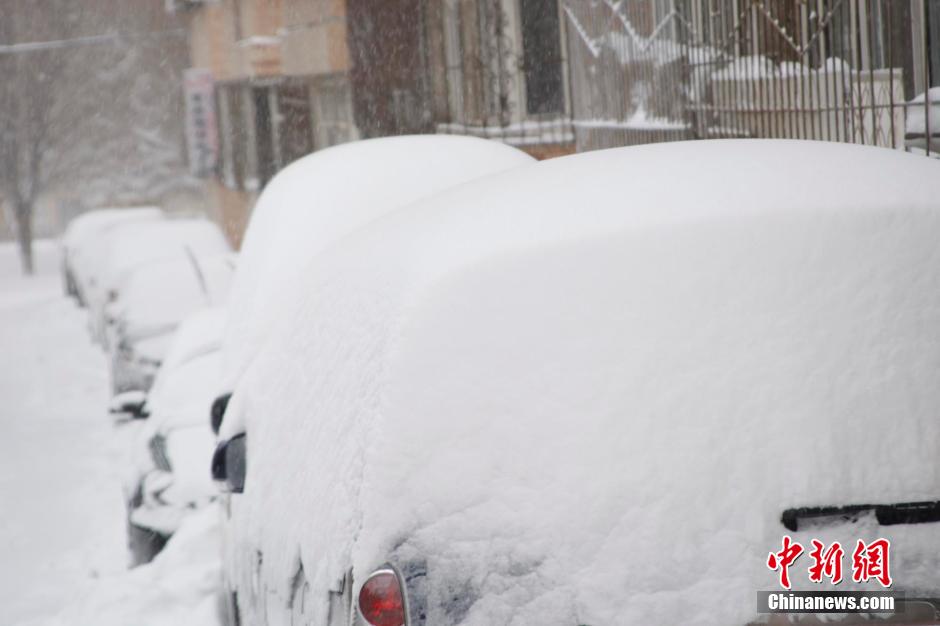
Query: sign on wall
[202,137]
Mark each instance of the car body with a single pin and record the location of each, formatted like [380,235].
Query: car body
[168,451]
[129,247]
[82,244]
[149,304]
[315,202]
[590,391]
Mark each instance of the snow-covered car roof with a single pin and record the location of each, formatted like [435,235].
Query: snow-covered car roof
[585,391]
[84,241]
[325,196]
[87,224]
[133,245]
[156,296]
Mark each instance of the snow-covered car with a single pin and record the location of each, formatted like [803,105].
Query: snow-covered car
[129,247]
[167,476]
[151,303]
[313,203]
[598,390]
[82,244]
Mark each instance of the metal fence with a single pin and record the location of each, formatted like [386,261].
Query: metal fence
[838,70]
[604,73]
[500,70]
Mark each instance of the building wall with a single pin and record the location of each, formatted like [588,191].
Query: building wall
[280,67]
[315,37]
[389,70]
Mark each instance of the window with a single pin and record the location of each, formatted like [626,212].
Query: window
[234,140]
[541,46]
[295,130]
[226,170]
[267,163]
[932,9]
[334,121]
[453,63]
[265,127]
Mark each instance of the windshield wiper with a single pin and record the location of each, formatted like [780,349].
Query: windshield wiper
[886,514]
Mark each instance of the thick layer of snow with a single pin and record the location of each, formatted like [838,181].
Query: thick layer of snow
[180,587]
[84,240]
[186,393]
[62,514]
[170,497]
[64,548]
[129,247]
[198,334]
[584,391]
[133,245]
[325,196]
[156,297]
[916,120]
[187,383]
[87,225]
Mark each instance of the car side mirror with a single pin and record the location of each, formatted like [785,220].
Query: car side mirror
[229,464]
[129,403]
[217,412]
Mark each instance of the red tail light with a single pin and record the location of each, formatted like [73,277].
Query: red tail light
[380,599]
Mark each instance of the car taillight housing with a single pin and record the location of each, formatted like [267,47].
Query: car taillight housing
[381,601]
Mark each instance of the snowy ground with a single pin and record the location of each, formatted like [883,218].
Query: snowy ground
[61,510]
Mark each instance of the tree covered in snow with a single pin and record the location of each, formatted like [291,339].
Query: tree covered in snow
[90,107]
[29,75]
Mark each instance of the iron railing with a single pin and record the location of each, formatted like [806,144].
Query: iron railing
[640,71]
[838,70]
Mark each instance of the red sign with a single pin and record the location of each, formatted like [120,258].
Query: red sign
[869,561]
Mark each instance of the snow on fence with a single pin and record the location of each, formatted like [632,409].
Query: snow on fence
[841,70]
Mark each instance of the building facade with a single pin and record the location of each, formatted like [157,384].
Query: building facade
[558,76]
[836,70]
[281,74]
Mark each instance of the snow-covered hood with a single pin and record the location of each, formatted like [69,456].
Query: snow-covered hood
[585,391]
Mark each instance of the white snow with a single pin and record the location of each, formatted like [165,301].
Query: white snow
[747,67]
[198,334]
[169,498]
[132,245]
[639,120]
[186,393]
[63,523]
[91,223]
[129,246]
[585,390]
[82,241]
[177,589]
[325,196]
[917,113]
[62,515]
[157,296]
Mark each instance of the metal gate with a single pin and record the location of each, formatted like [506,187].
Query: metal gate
[840,70]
